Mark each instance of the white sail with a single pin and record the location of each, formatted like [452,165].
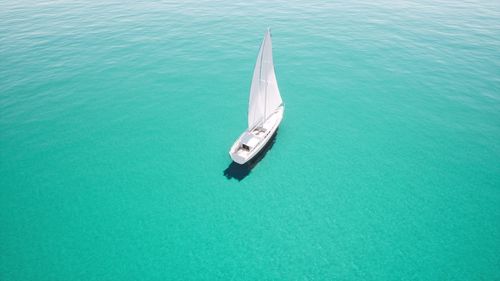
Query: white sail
[264,93]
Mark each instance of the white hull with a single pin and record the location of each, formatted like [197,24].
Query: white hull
[260,137]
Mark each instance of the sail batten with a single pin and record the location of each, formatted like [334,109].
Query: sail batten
[264,92]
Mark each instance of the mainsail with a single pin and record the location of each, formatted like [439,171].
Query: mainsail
[264,93]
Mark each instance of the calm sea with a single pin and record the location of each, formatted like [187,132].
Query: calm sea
[116,118]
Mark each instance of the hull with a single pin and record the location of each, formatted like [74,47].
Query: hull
[240,155]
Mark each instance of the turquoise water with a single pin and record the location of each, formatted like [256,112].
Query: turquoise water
[116,119]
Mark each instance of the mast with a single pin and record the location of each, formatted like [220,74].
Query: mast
[265,90]
[265,81]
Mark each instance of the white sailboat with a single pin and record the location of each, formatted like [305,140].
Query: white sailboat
[265,108]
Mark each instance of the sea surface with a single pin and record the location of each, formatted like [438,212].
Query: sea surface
[116,118]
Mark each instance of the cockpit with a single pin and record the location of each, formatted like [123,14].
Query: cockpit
[249,141]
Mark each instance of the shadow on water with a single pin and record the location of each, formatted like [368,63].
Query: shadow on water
[239,172]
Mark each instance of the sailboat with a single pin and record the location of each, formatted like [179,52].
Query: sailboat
[265,107]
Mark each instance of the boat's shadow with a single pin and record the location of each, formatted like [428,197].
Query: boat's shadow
[240,172]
